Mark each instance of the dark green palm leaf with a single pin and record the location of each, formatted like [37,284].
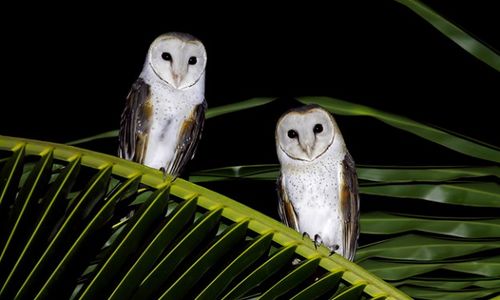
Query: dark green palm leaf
[455,33]
[432,294]
[385,223]
[420,248]
[484,194]
[394,270]
[371,173]
[455,285]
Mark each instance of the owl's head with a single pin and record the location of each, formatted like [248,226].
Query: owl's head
[178,59]
[305,133]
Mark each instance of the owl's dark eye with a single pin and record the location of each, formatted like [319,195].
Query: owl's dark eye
[318,128]
[192,60]
[292,134]
[166,56]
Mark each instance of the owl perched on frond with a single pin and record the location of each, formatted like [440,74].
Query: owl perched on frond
[318,186]
[165,109]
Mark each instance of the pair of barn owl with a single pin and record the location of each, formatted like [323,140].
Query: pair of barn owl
[163,120]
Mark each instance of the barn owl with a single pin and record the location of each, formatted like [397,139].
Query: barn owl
[317,187]
[165,109]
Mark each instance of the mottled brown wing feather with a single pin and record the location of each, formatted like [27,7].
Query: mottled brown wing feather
[349,202]
[189,137]
[135,123]
[285,207]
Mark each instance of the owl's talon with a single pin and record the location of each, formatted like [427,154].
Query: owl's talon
[333,249]
[317,241]
[304,234]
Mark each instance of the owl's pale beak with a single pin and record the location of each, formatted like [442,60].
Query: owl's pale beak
[177,79]
[308,149]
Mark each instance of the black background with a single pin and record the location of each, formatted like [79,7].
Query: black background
[66,72]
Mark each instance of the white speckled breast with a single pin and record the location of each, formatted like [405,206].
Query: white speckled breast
[314,193]
[171,107]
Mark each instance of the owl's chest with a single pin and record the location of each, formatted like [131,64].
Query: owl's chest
[170,108]
[166,119]
[169,112]
[313,187]
[167,102]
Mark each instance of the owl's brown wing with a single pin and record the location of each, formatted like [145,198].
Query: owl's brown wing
[285,206]
[188,139]
[136,123]
[349,203]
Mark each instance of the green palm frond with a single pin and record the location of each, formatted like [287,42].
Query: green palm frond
[459,36]
[78,224]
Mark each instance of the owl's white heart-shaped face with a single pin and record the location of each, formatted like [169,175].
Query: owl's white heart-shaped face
[305,133]
[178,59]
